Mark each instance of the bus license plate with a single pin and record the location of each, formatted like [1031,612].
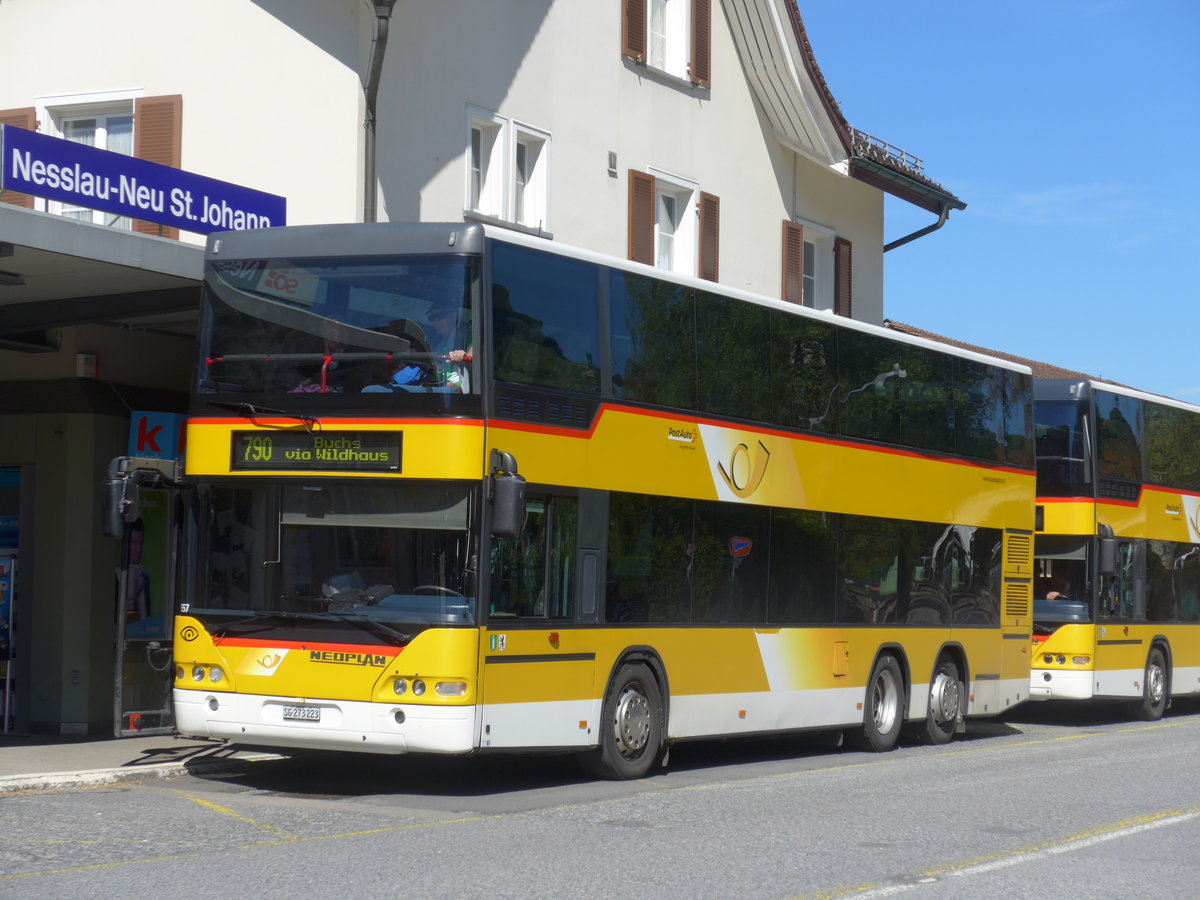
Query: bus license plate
[302,713]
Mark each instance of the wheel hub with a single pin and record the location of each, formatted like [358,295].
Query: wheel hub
[943,698]
[885,701]
[1157,684]
[632,723]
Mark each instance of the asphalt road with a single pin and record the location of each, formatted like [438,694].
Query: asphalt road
[1049,801]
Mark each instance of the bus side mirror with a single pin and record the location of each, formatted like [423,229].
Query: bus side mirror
[1106,550]
[120,503]
[507,495]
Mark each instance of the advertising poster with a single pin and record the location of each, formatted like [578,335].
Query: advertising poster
[7,585]
[142,575]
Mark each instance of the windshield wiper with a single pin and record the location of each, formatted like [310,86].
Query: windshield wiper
[252,412]
[258,618]
[341,615]
[372,624]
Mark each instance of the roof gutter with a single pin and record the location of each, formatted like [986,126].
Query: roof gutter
[383,13]
[919,233]
[918,191]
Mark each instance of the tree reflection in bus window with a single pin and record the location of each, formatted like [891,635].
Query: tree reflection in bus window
[545,315]
[653,341]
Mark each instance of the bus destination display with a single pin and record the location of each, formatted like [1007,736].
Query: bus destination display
[334,451]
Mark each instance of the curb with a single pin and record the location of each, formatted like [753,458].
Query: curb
[93,777]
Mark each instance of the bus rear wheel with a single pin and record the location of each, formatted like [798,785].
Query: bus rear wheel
[631,727]
[945,703]
[883,711]
[1154,688]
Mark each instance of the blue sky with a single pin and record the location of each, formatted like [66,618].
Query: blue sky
[1071,128]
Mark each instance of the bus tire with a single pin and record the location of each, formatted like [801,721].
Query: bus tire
[1154,687]
[883,708]
[945,703]
[631,727]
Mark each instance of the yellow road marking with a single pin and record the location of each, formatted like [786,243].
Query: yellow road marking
[226,811]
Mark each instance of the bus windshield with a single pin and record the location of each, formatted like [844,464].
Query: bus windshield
[1061,588]
[1063,469]
[397,554]
[385,325]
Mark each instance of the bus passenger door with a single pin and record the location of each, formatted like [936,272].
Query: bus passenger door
[537,669]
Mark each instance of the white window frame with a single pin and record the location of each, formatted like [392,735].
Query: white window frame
[668,35]
[820,281]
[502,142]
[486,163]
[530,197]
[684,256]
[55,110]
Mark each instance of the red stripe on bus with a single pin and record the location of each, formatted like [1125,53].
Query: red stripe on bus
[267,644]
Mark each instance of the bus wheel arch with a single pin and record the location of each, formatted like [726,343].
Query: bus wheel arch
[885,702]
[947,696]
[631,733]
[1156,686]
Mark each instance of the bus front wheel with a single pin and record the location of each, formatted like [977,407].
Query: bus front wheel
[1154,688]
[630,727]
[883,711]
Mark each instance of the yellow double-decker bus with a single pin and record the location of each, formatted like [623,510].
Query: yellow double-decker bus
[453,489]
[1117,550]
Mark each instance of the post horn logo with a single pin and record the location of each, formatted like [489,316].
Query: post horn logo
[189,632]
[744,476]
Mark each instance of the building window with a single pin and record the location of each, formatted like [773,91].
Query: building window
[508,170]
[149,128]
[672,224]
[111,131]
[673,36]
[809,266]
[531,160]
[485,193]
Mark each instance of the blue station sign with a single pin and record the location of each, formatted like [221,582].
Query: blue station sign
[63,170]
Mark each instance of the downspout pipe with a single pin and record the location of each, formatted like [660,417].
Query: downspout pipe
[383,14]
[928,229]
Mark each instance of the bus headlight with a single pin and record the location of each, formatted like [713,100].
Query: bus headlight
[400,686]
[1047,659]
[451,688]
[1081,660]
[197,673]
[1060,659]
[179,673]
[216,674]
[418,687]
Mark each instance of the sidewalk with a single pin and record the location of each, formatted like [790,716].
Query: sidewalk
[34,762]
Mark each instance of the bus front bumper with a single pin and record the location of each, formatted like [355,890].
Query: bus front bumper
[1060,684]
[338,724]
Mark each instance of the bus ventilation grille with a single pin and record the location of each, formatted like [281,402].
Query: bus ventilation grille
[1119,490]
[1020,548]
[552,410]
[1017,598]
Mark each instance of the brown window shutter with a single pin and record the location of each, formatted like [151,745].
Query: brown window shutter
[633,29]
[710,236]
[641,217]
[21,118]
[700,69]
[792,289]
[158,137]
[842,288]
